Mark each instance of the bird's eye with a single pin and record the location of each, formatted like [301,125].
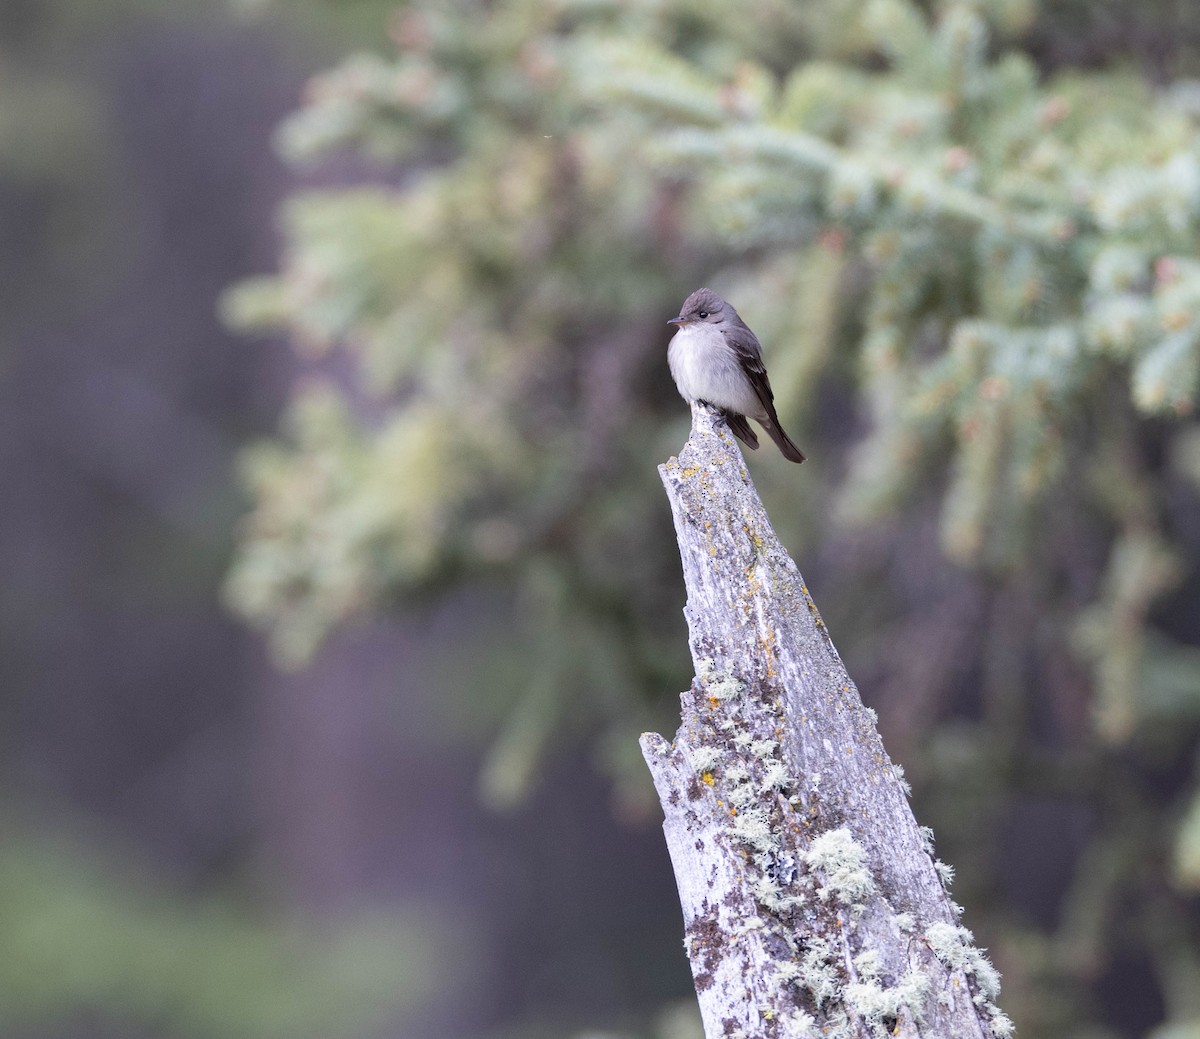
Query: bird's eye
[703,314]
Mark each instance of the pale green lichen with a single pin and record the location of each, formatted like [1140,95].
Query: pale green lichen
[955,947]
[787,973]
[742,796]
[800,1024]
[866,964]
[945,872]
[927,839]
[751,827]
[874,1003]
[842,861]
[764,748]
[775,777]
[705,757]
[818,974]
[771,896]
[871,1001]
[737,774]
[1002,1026]
[719,684]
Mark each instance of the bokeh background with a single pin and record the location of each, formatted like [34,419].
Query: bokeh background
[336,582]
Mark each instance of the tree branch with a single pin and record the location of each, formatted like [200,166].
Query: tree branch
[811,899]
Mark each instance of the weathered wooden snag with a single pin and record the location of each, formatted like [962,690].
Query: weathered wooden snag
[812,903]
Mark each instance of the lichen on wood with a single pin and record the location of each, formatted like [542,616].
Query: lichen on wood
[812,903]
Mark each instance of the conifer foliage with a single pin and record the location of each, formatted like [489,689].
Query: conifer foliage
[979,287]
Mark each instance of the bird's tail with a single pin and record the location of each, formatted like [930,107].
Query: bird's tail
[790,451]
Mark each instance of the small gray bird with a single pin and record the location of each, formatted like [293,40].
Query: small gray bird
[716,359]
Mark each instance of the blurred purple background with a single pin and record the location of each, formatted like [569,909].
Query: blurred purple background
[151,748]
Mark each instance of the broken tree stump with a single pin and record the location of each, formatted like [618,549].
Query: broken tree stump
[812,901]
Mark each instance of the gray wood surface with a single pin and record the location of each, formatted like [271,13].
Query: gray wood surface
[812,901]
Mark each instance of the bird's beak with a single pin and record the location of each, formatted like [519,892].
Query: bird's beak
[677,321]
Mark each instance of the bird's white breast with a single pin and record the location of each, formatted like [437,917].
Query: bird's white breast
[705,367]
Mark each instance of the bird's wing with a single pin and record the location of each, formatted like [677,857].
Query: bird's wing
[741,428]
[749,354]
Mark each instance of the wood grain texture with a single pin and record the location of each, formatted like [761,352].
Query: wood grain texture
[812,902]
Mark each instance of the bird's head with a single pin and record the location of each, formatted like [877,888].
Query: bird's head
[703,305]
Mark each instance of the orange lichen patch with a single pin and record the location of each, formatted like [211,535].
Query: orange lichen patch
[816,615]
[707,777]
[756,539]
[766,642]
[713,702]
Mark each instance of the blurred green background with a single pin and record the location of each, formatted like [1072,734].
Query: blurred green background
[337,581]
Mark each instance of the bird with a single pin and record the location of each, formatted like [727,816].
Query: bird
[716,359]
